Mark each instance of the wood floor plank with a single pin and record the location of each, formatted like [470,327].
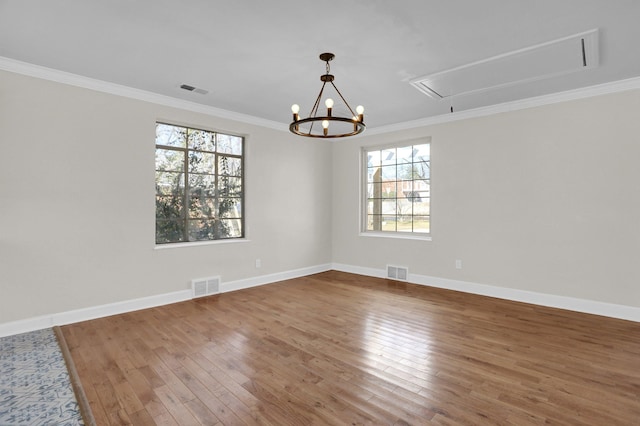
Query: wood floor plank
[338,348]
[142,418]
[175,407]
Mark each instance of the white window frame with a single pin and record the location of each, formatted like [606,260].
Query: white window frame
[364,194]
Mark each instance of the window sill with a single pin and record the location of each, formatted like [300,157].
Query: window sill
[397,235]
[200,243]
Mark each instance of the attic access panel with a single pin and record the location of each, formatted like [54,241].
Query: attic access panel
[557,57]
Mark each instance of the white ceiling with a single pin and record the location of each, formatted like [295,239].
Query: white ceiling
[259,57]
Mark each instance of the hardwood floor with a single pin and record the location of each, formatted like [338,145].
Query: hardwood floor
[339,349]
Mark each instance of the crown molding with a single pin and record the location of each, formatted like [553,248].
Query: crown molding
[64,77]
[19,67]
[569,95]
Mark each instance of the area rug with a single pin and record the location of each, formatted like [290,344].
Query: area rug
[35,384]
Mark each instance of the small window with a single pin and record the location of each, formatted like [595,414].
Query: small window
[199,185]
[397,189]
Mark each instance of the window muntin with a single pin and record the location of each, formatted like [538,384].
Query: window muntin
[199,185]
[398,188]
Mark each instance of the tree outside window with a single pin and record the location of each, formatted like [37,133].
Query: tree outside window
[199,185]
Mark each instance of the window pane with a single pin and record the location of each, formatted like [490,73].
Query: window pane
[202,185]
[404,207]
[374,206]
[230,186]
[421,152]
[201,140]
[405,224]
[228,144]
[230,166]
[230,208]
[374,190]
[374,222]
[421,224]
[389,207]
[170,183]
[374,174]
[202,230]
[389,189]
[421,207]
[202,207]
[421,170]
[169,207]
[389,172]
[171,135]
[405,171]
[169,231]
[169,159]
[230,228]
[389,223]
[404,154]
[201,162]
[423,186]
[388,156]
[373,159]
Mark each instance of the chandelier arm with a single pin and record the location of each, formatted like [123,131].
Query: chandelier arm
[353,114]
[314,110]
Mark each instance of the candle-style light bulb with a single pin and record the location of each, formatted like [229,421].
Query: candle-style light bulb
[360,111]
[295,108]
[329,105]
[325,127]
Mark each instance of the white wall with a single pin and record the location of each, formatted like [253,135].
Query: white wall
[77,201]
[545,199]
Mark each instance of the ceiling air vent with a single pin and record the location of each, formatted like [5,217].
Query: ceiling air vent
[554,58]
[194,89]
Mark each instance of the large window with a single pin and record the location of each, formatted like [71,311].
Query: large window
[199,185]
[397,191]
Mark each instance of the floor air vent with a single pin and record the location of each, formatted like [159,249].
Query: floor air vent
[205,286]
[397,272]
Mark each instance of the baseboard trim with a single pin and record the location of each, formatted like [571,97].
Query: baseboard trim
[85,314]
[611,310]
[271,278]
[624,312]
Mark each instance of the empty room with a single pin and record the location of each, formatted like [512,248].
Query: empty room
[337,213]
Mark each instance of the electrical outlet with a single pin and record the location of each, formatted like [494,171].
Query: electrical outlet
[458,264]
[258,263]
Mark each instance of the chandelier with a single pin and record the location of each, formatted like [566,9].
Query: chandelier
[328,125]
